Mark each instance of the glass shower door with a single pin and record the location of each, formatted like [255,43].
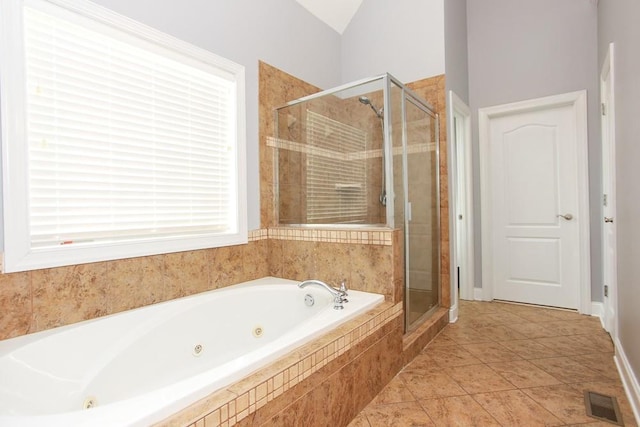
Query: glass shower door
[422,225]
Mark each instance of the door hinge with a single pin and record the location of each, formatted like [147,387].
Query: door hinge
[606,290]
[604,200]
[604,111]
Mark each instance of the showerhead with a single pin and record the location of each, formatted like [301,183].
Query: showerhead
[366,101]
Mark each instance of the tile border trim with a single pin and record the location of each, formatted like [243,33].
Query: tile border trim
[255,396]
[370,236]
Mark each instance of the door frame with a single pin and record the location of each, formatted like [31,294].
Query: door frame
[608,129]
[461,193]
[578,102]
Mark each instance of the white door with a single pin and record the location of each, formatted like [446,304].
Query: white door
[609,194]
[535,187]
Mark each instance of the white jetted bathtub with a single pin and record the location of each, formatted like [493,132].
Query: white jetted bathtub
[138,367]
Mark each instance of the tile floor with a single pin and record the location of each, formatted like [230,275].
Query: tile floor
[503,365]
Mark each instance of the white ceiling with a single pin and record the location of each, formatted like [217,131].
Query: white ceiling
[335,13]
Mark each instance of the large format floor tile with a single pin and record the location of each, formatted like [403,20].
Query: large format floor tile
[503,365]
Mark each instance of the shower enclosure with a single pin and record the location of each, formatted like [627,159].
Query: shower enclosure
[365,154]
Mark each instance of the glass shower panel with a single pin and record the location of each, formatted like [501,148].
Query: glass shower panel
[422,237]
[366,154]
[329,158]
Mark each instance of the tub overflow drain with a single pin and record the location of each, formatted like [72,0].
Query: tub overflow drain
[90,402]
[258,331]
[197,350]
[308,300]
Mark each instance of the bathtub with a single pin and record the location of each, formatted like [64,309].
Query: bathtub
[138,367]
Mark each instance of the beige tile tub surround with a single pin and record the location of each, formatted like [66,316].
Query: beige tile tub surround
[37,300]
[44,299]
[363,267]
[303,384]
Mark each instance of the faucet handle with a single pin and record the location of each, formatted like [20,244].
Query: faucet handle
[343,288]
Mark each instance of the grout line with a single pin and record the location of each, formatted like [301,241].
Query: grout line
[598,350]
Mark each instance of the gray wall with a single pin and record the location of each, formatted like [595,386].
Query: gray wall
[618,23]
[404,38]
[280,32]
[523,49]
[455,48]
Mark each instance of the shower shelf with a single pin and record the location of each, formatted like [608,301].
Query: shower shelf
[345,187]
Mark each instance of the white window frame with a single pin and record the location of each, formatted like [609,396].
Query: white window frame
[18,254]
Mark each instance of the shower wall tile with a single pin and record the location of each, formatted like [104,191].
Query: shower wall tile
[267,200]
[275,88]
[421,280]
[421,249]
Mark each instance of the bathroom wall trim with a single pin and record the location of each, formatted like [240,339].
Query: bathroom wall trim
[597,310]
[356,236]
[629,380]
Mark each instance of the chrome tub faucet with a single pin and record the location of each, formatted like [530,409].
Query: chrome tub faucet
[339,295]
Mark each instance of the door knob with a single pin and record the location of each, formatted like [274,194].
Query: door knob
[606,219]
[568,216]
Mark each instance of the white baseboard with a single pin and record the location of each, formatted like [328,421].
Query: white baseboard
[477,294]
[629,380]
[597,310]
[453,313]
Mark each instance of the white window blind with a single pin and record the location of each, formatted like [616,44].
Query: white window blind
[336,171]
[125,143]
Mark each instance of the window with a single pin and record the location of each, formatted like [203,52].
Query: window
[118,140]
